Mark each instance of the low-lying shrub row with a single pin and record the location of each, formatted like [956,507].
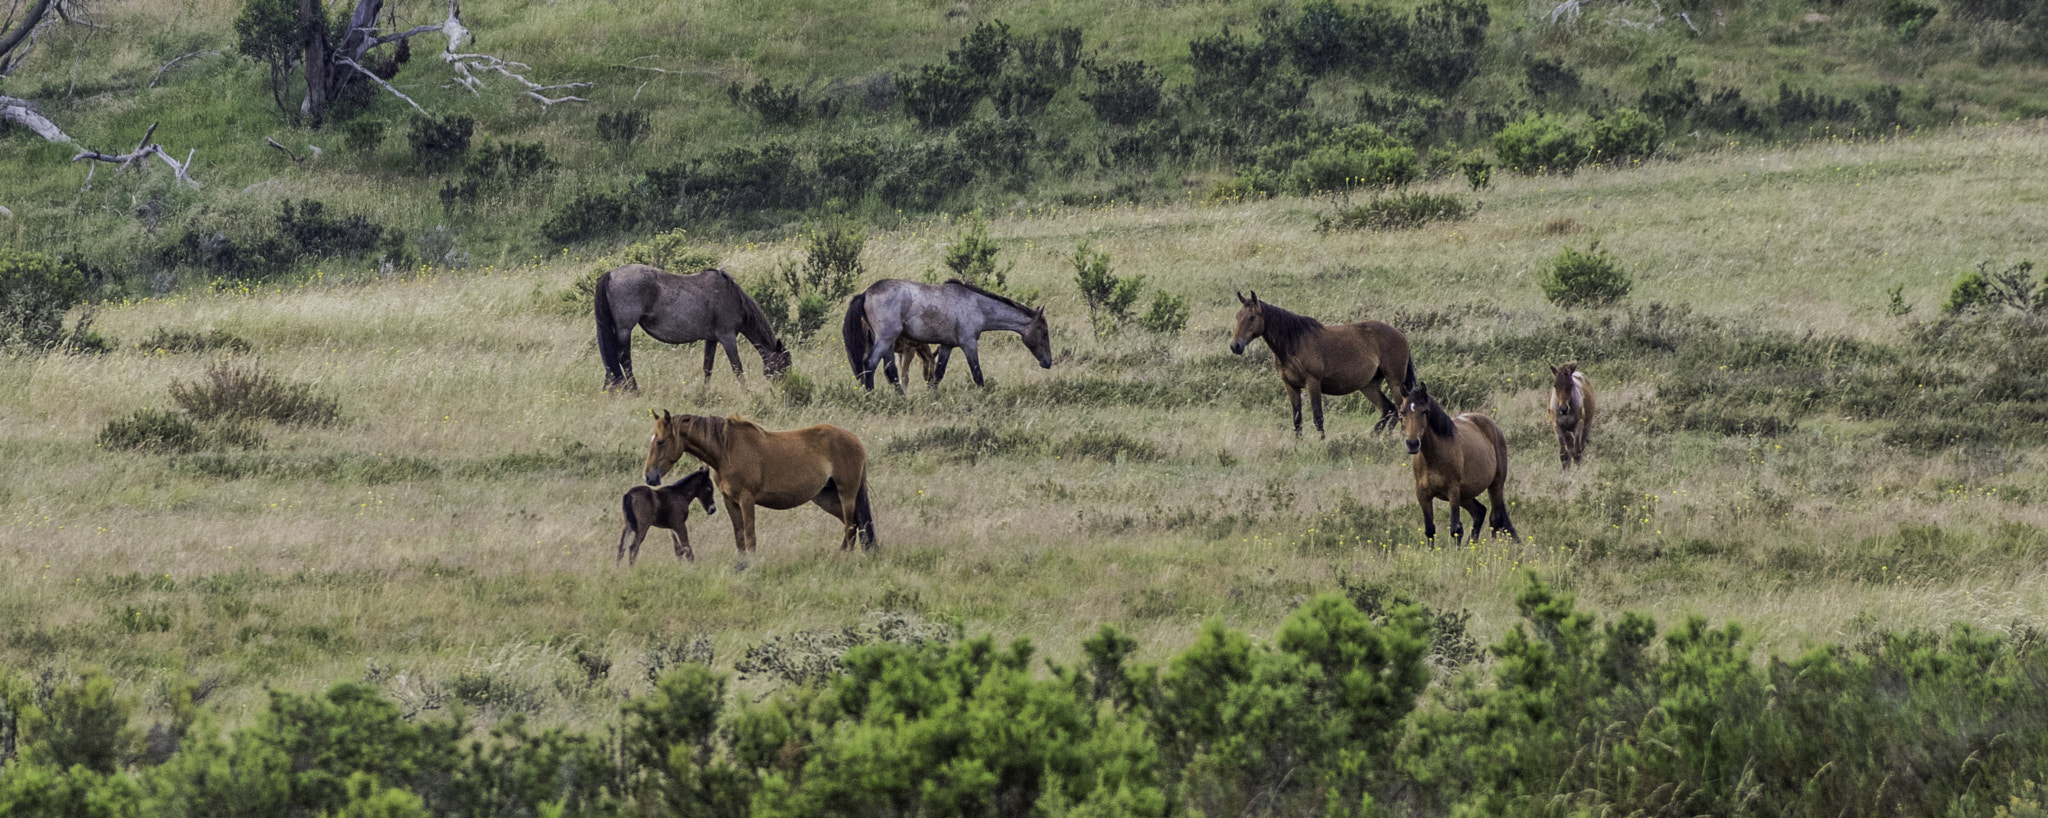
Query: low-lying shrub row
[1337,714]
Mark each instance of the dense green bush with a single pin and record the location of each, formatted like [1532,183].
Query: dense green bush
[1584,278]
[829,272]
[437,143]
[1442,50]
[153,430]
[1983,291]
[1126,92]
[35,293]
[1541,144]
[1400,211]
[1623,135]
[972,256]
[235,391]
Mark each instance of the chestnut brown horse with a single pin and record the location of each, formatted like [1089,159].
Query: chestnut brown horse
[823,465]
[1456,458]
[665,507]
[1327,360]
[1571,412]
[708,306]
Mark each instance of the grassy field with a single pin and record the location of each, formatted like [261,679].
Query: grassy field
[459,522]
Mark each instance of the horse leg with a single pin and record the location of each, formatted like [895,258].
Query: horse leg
[1428,516]
[839,504]
[1294,398]
[742,521]
[878,352]
[939,369]
[1478,511]
[973,352]
[710,355]
[732,353]
[625,373]
[1498,494]
[1386,407]
[628,530]
[1564,447]
[1457,522]
[681,536]
[1315,403]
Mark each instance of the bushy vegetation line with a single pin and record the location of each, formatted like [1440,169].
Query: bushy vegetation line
[1335,715]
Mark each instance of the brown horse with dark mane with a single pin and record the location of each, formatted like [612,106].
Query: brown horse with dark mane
[708,306]
[1571,412]
[1455,459]
[664,507]
[822,465]
[1327,360]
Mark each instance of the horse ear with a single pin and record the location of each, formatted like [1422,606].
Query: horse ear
[1255,296]
[1243,300]
[1553,369]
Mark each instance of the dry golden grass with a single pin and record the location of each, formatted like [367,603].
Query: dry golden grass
[407,536]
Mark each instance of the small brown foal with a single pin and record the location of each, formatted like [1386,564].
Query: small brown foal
[666,507]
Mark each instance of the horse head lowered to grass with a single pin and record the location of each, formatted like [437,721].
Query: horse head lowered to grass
[953,314]
[822,465]
[678,309]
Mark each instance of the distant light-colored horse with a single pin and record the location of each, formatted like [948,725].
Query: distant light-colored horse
[953,314]
[1455,459]
[1571,412]
[665,507]
[823,465]
[1327,359]
[708,306]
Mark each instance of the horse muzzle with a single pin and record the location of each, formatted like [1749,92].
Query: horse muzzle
[653,477]
[1414,446]
[1237,347]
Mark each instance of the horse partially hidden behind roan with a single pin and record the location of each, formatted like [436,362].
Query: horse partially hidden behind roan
[953,314]
[1454,459]
[1327,360]
[678,309]
[665,507]
[823,465]
[1571,412]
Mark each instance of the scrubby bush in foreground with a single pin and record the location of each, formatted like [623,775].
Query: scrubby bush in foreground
[1585,278]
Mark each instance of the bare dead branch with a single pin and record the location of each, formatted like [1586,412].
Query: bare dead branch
[20,112]
[141,152]
[380,81]
[167,66]
[287,151]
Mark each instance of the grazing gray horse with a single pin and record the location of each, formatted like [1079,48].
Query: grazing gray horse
[708,306]
[953,314]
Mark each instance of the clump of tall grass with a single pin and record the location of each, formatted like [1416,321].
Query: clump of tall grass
[1401,211]
[233,391]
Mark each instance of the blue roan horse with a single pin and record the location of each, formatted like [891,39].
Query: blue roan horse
[953,314]
[708,306]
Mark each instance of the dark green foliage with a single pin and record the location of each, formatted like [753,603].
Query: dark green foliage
[82,723]
[972,256]
[1549,76]
[1796,107]
[1358,156]
[1168,314]
[1249,86]
[1722,109]
[35,293]
[589,215]
[1623,135]
[940,95]
[152,430]
[439,143]
[621,129]
[775,106]
[1984,291]
[363,134]
[1109,296]
[307,226]
[1540,144]
[235,391]
[807,658]
[850,166]
[1584,278]
[998,145]
[1400,211]
[269,32]
[1478,172]
[1442,51]
[1907,17]
[1328,37]
[1127,92]
[830,271]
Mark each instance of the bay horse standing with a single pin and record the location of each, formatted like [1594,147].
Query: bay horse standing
[1571,412]
[1327,360]
[1455,459]
[678,309]
[664,507]
[953,314]
[822,465]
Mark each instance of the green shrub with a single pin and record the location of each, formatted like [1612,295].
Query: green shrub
[1983,291]
[1109,296]
[590,214]
[152,430]
[1908,17]
[972,256]
[1622,135]
[235,391]
[669,250]
[1126,92]
[1478,172]
[1540,144]
[1398,212]
[437,143]
[621,129]
[1442,49]
[1584,278]
[362,134]
[35,293]
[775,106]
[1341,167]
[180,340]
[82,723]
[1169,313]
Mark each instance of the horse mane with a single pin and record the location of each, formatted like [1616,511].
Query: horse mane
[1563,380]
[993,295]
[1285,330]
[1440,423]
[753,320]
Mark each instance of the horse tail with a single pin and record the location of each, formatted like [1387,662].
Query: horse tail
[859,338]
[1408,380]
[608,347]
[864,517]
[626,500]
